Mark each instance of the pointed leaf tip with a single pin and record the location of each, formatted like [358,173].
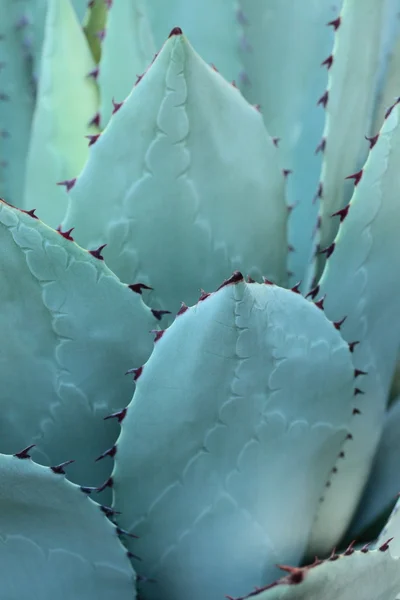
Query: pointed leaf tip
[175,31]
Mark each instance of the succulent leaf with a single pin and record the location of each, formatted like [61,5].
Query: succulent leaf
[180,197]
[128,35]
[286,78]
[201,466]
[211,26]
[384,479]
[349,107]
[72,331]
[66,102]
[358,285]
[16,100]
[56,542]
[366,574]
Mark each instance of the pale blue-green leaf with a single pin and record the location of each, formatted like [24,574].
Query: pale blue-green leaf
[359,284]
[55,541]
[384,480]
[70,331]
[184,185]
[16,100]
[67,100]
[350,100]
[283,46]
[127,50]
[223,453]
[211,26]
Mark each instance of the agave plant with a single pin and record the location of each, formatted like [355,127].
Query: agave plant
[254,431]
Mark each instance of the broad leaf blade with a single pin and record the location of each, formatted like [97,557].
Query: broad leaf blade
[180,195]
[245,451]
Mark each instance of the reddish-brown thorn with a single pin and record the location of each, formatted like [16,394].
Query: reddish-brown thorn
[131,555]
[25,452]
[296,288]
[119,415]
[356,411]
[69,183]
[136,373]
[358,372]
[342,213]
[97,253]
[138,287]
[328,251]
[94,74]
[286,172]
[267,281]
[357,392]
[296,574]
[352,345]
[66,234]
[108,511]
[327,62]
[333,556]
[349,550]
[320,303]
[372,140]
[323,101]
[31,213]
[349,436]
[110,452]
[318,193]
[385,546]
[365,548]
[233,84]
[341,454]
[116,105]
[95,121]
[236,277]
[338,324]
[321,146]
[158,333]
[203,295]
[313,293]
[160,313]
[257,107]
[124,532]
[334,470]
[335,23]
[389,110]
[59,469]
[356,176]
[214,68]
[276,141]
[175,31]
[106,484]
[92,138]
[182,309]
[250,279]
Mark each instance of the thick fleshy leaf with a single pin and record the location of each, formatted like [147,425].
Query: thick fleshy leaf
[277,63]
[67,101]
[349,106]
[384,480]
[365,575]
[127,50]
[360,285]
[223,454]
[71,330]
[184,184]
[56,542]
[16,101]
[212,26]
